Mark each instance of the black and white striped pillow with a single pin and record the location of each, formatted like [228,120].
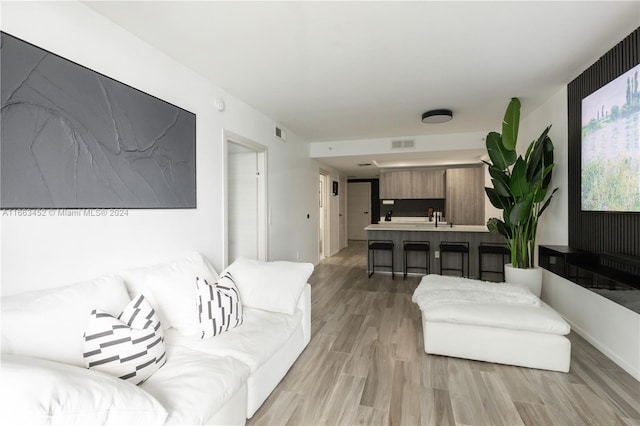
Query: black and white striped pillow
[219,306]
[130,347]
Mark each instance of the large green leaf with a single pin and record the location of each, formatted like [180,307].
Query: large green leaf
[537,157]
[521,211]
[501,188]
[548,148]
[501,157]
[544,185]
[540,194]
[548,159]
[492,225]
[519,185]
[500,175]
[534,163]
[495,225]
[546,203]
[496,200]
[544,135]
[528,153]
[504,230]
[510,124]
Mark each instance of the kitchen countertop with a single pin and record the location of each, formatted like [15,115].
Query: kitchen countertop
[425,227]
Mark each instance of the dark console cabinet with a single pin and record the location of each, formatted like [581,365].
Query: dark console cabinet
[614,276]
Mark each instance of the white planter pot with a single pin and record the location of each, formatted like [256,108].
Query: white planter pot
[531,277]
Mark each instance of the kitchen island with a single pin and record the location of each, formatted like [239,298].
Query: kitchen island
[427,231]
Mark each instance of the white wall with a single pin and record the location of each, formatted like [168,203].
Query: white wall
[39,252]
[611,328]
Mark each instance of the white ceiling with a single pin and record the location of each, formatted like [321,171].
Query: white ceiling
[357,70]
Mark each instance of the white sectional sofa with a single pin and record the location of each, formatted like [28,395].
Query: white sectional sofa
[220,380]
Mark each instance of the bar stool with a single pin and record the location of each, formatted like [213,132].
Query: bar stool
[485,249]
[418,246]
[379,245]
[460,248]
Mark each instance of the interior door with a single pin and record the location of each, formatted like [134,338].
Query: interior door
[322,201]
[242,202]
[342,214]
[358,209]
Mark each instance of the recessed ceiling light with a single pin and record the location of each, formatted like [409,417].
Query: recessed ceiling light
[436,116]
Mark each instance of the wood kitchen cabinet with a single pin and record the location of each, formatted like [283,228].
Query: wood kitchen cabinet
[395,185]
[465,196]
[428,184]
[401,184]
[412,184]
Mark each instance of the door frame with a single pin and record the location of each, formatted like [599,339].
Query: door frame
[326,235]
[342,212]
[263,196]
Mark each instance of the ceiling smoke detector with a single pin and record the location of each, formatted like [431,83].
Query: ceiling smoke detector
[436,116]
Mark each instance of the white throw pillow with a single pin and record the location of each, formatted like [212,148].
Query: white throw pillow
[130,347]
[218,305]
[35,391]
[169,288]
[50,323]
[272,286]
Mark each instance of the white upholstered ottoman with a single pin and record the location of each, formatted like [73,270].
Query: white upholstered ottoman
[494,322]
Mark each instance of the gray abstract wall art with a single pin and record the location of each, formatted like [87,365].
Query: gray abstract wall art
[73,138]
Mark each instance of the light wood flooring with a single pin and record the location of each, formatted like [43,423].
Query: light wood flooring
[366,364]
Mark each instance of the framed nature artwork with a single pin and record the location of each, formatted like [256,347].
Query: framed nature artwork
[610,175]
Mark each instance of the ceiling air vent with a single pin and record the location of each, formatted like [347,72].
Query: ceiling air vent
[403,144]
[364,164]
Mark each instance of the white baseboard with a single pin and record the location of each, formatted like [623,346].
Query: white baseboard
[633,370]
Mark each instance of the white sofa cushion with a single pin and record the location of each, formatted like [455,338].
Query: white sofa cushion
[50,323]
[35,391]
[271,286]
[541,319]
[261,334]
[435,290]
[130,347]
[170,288]
[218,305]
[193,386]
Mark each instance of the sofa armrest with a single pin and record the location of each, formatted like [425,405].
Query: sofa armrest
[270,286]
[304,305]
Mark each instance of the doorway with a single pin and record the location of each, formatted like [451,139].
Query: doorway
[324,228]
[246,199]
[342,211]
[358,209]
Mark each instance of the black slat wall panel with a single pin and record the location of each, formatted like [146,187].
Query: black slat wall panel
[599,232]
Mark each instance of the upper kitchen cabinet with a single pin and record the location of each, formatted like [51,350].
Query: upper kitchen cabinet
[412,184]
[428,183]
[395,185]
[465,196]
